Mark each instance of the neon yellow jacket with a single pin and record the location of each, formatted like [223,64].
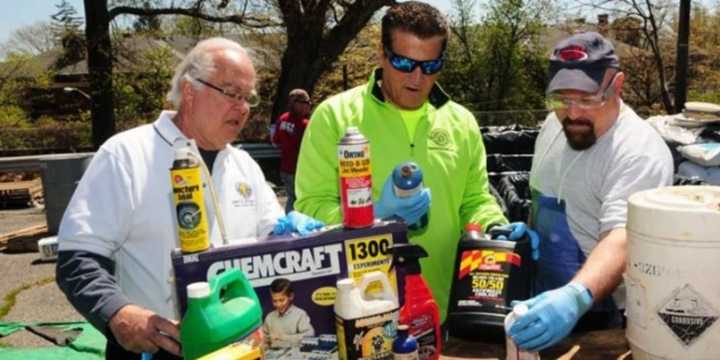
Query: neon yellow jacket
[448,147]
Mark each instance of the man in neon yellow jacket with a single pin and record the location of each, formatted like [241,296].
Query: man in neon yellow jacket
[405,116]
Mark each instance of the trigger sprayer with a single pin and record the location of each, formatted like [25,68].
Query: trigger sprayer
[420,311]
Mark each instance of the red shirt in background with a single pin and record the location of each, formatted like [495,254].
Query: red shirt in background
[288,135]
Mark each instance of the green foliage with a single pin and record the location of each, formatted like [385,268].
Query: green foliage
[140,94]
[13,117]
[494,68]
[354,65]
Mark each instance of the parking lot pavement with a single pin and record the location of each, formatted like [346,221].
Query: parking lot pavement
[36,296]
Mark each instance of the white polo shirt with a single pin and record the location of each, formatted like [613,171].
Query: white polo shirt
[123,209]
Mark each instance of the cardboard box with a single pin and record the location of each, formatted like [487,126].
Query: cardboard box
[313,264]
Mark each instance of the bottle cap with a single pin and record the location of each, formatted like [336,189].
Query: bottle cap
[345,283]
[473,227]
[182,153]
[520,310]
[403,327]
[198,290]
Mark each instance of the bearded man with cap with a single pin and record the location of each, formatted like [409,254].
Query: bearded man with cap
[592,153]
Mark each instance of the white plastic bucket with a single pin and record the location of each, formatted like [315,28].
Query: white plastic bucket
[673,273]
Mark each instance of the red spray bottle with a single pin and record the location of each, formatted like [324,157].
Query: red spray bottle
[419,311]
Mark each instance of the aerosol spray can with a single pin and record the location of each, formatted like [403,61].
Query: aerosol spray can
[355,179]
[408,181]
[187,186]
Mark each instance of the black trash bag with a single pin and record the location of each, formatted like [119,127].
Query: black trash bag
[515,190]
[684,180]
[509,139]
[509,162]
[711,133]
[498,199]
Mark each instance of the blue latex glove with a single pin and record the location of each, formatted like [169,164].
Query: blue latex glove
[296,222]
[517,230]
[551,316]
[410,209]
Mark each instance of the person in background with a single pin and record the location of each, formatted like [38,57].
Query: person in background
[287,136]
[287,324]
[592,153]
[406,116]
[119,229]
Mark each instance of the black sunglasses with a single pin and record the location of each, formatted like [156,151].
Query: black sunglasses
[408,65]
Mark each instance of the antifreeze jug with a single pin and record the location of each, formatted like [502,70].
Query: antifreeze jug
[365,327]
[489,275]
[219,313]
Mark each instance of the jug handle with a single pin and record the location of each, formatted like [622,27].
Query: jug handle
[220,282]
[387,291]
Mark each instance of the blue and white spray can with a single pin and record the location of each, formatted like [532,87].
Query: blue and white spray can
[405,346]
[408,181]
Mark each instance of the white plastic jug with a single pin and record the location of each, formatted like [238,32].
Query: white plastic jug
[365,327]
[673,271]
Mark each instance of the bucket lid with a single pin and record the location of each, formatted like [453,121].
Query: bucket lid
[676,212]
[680,198]
[198,290]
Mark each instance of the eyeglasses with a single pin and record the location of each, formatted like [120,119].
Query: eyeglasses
[558,102]
[408,65]
[251,99]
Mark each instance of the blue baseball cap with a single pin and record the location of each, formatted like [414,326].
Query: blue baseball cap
[580,61]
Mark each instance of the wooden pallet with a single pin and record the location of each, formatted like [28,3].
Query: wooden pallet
[24,239]
[20,193]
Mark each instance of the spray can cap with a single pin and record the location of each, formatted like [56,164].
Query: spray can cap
[198,290]
[407,176]
[408,256]
[473,227]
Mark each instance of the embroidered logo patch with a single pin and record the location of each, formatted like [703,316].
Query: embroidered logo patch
[440,137]
[243,189]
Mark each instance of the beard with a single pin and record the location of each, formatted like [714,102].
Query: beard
[580,133]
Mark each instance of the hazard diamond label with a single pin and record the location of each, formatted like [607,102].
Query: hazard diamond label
[687,314]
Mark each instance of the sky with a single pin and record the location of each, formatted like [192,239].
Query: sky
[27,12]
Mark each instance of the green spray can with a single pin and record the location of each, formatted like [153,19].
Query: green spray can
[213,321]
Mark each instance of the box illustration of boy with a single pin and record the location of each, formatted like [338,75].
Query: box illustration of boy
[286,325]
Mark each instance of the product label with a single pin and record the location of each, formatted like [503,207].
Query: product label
[370,254]
[407,356]
[687,314]
[359,197]
[483,276]
[355,185]
[190,209]
[294,265]
[423,330]
[354,160]
[367,338]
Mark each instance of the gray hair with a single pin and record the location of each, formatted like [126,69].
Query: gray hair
[198,63]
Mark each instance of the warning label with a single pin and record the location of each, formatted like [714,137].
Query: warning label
[687,314]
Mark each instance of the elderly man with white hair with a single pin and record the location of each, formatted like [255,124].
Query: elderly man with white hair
[119,229]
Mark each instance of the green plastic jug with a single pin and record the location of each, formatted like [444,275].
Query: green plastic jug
[219,313]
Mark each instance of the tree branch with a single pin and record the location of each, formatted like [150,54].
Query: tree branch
[243,19]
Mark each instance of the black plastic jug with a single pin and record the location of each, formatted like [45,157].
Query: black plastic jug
[489,274]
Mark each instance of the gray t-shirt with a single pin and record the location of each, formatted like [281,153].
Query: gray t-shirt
[288,329]
[596,183]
